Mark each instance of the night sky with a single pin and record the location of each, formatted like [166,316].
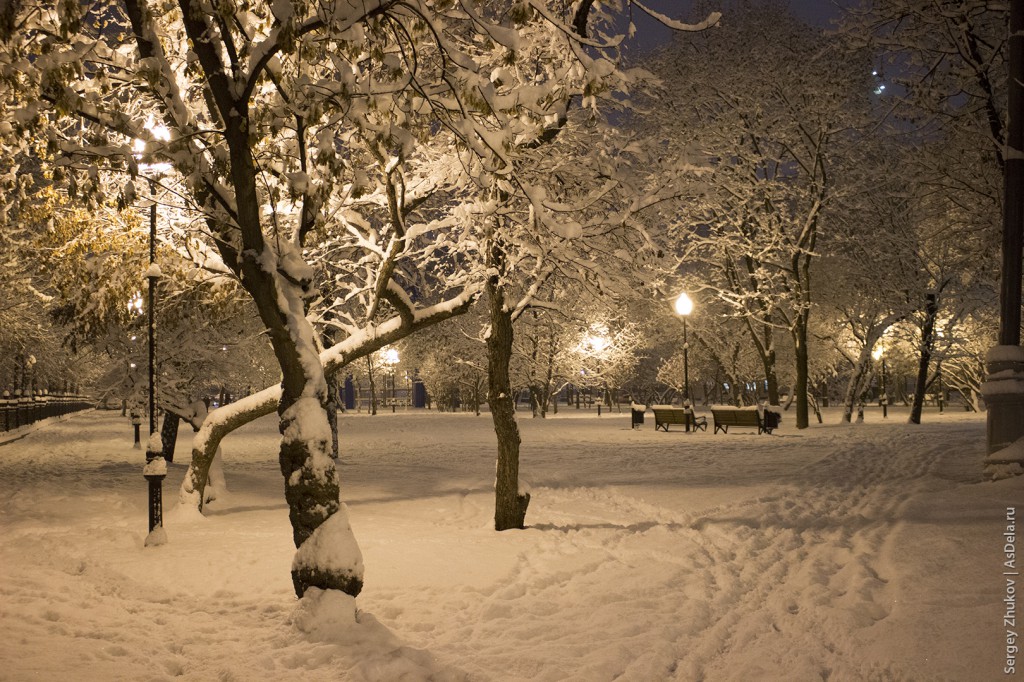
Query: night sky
[650,33]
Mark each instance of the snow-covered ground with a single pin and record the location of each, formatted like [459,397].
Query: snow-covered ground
[861,552]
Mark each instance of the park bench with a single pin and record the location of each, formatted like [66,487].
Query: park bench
[732,416]
[665,415]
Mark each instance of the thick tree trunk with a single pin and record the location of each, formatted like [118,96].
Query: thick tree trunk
[931,311]
[509,505]
[772,379]
[169,433]
[800,388]
[768,357]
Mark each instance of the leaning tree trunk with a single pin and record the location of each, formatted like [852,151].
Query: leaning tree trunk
[855,386]
[219,423]
[931,311]
[509,505]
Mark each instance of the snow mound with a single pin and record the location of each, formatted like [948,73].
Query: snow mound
[325,615]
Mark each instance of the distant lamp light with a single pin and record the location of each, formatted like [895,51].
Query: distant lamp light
[135,305]
[879,354]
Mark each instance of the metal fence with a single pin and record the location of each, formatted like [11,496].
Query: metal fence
[17,409]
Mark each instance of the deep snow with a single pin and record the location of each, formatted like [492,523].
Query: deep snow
[843,552]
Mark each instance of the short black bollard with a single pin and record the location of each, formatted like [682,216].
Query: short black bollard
[154,472]
[137,425]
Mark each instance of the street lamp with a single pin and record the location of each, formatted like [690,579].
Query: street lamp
[684,306]
[156,466]
[391,359]
[879,354]
[595,344]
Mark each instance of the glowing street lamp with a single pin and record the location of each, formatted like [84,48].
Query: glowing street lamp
[684,306]
[879,354]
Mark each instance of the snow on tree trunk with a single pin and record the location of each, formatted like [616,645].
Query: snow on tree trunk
[509,505]
[328,556]
[216,484]
[212,429]
[855,385]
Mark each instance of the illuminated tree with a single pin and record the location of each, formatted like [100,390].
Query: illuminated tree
[768,136]
[382,134]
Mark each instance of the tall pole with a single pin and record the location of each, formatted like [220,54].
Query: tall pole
[156,467]
[686,364]
[151,277]
[885,396]
[1005,363]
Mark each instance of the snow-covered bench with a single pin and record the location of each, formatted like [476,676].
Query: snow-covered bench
[666,414]
[743,416]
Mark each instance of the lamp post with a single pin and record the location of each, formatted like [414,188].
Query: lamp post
[595,344]
[941,397]
[879,354]
[684,306]
[156,466]
[391,359]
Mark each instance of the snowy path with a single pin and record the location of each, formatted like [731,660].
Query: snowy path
[794,571]
[842,553]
